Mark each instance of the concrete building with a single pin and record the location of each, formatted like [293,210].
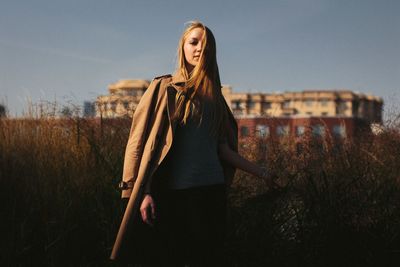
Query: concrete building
[308,103]
[338,112]
[122,100]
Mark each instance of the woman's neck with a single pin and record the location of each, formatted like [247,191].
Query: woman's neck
[189,68]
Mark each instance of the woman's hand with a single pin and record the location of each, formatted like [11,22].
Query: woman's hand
[268,178]
[233,158]
[147,210]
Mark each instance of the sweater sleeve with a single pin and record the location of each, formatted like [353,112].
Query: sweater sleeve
[147,186]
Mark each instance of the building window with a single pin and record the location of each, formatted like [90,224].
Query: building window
[282,130]
[250,104]
[324,102]
[236,104]
[262,130]
[339,131]
[341,108]
[122,92]
[244,131]
[324,113]
[132,92]
[300,130]
[237,112]
[308,102]
[318,130]
[309,113]
[126,105]
[266,105]
[112,106]
[286,104]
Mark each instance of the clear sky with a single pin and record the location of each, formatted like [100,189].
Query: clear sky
[72,50]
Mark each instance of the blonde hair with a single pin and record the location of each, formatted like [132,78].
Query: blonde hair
[202,83]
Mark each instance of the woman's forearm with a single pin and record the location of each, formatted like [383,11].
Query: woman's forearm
[233,158]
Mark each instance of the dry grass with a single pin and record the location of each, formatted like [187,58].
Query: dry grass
[58,187]
[339,206]
[60,205]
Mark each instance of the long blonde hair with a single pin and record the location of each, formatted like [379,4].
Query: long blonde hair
[202,83]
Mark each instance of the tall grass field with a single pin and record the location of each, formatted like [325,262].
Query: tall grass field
[338,204]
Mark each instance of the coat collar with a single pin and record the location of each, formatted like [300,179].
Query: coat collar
[178,81]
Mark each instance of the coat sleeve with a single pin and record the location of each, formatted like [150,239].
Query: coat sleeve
[138,136]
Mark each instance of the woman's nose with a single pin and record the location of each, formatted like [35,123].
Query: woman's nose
[198,46]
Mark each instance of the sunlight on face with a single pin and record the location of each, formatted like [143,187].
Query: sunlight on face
[192,47]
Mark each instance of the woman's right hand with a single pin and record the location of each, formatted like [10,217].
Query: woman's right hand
[147,210]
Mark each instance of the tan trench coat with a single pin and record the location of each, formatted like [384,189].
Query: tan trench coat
[149,141]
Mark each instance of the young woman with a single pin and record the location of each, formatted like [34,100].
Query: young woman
[181,156]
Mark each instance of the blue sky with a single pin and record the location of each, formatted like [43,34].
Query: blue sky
[72,50]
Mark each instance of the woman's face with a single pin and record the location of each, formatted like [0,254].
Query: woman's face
[192,47]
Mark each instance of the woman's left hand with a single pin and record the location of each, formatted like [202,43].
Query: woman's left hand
[147,210]
[269,178]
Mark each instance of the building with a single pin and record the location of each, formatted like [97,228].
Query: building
[278,127]
[2,111]
[89,109]
[122,100]
[337,112]
[340,113]
[308,103]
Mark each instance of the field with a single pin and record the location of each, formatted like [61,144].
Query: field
[338,205]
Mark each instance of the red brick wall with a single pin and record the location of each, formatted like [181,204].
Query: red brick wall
[352,125]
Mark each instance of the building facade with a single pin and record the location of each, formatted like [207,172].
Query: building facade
[298,127]
[308,103]
[122,99]
[337,112]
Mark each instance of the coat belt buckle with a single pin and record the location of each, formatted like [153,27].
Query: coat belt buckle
[124,185]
